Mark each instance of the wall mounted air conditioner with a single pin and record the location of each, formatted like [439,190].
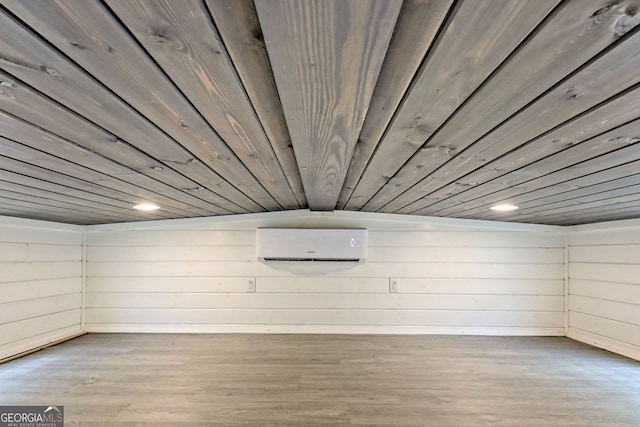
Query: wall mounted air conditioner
[307,244]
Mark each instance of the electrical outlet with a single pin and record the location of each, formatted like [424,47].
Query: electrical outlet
[394,285]
[251,284]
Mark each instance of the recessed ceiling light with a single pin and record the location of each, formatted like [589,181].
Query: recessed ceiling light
[503,208]
[146,207]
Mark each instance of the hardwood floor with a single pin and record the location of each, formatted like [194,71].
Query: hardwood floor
[303,380]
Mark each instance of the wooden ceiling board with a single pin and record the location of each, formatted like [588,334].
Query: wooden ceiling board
[477,39]
[630,192]
[75,157]
[561,199]
[47,115]
[614,187]
[577,209]
[11,181]
[22,159]
[566,158]
[420,107]
[618,163]
[587,185]
[23,172]
[616,212]
[555,182]
[613,113]
[418,24]
[326,63]
[44,209]
[17,171]
[199,65]
[600,184]
[494,121]
[70,85]
[51,200]
[238,24]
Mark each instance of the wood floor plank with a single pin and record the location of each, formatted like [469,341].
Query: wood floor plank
[416,28]
[464,56]
[326,62]
[492,123]
[348,380]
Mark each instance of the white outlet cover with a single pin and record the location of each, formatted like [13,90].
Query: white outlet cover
[394,285]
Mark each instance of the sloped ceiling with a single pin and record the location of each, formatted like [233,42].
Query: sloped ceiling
[218,107]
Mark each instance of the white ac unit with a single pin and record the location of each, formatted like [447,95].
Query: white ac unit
[307,244]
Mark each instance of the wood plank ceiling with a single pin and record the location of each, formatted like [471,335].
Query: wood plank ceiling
[421,107]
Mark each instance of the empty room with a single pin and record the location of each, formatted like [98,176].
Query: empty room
[319,212]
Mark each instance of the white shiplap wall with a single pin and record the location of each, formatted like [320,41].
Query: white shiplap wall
[604,271]
[455,277]
[40,283]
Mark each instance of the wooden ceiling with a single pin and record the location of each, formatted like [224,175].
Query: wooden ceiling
[421,107]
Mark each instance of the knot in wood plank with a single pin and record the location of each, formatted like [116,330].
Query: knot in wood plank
[624,24]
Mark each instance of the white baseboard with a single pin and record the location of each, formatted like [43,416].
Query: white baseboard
[614,346]
[30,345]
[321,329]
